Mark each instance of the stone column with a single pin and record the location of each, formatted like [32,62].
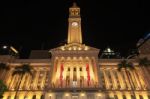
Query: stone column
[64,75]
[6,94]
[77,75]
[119,95]
[30,95]
[38,96]
[126,79]
[107,83]
[23,81]
[28,80]
[121,80]
[133,80]
[13,82]
[142,80]
[43,80]
[128,95]
[71,75]
[96,70]
[85,76]
[114,80]
[34,84]
[137,79]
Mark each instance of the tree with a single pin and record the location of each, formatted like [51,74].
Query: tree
[144,63]
[3,88]
[21,71]
[124,64]
[3,67]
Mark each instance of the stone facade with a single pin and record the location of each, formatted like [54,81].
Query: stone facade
[74,71]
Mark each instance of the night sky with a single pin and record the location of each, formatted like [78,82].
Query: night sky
[43,24]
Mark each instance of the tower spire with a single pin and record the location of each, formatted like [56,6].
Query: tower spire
[74,4]
[74,28]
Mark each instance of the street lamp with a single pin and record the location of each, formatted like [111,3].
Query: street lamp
[5,47]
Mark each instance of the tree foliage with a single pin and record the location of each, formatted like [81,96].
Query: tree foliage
[124,64]
[3,88]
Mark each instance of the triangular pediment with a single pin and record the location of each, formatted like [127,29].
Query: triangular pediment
[75,47]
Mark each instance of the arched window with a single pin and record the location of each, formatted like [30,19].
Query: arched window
[9,97]
[25,97]
[34,97]
[80,68]
[141,97]
[124,97]
[74,69]
[17,97]
[42,97]
[115,96]
[68,69]
[132,97]
[148,96]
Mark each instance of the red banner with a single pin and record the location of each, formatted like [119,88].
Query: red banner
[88,74]
[61,74]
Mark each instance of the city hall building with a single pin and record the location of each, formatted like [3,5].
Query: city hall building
[74,71]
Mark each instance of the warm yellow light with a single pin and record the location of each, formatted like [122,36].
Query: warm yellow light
[50,95]
[86,48]
[99,95]
[68,58]
[74,48]
[74,58]
[79,48]
[12,48]
[80,58]
[56,57]
[82,94]
[87,57]
[67,94]
[69,48]
[12,89]
[63,48]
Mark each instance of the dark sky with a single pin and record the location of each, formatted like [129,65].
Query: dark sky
[31,24]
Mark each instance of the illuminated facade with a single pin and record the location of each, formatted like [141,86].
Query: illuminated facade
[75,72]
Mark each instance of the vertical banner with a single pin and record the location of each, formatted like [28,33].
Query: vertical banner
[61,74]
[88,74]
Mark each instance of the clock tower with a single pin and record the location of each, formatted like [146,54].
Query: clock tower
[74,29]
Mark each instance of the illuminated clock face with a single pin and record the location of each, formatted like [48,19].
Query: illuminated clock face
[74,23]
